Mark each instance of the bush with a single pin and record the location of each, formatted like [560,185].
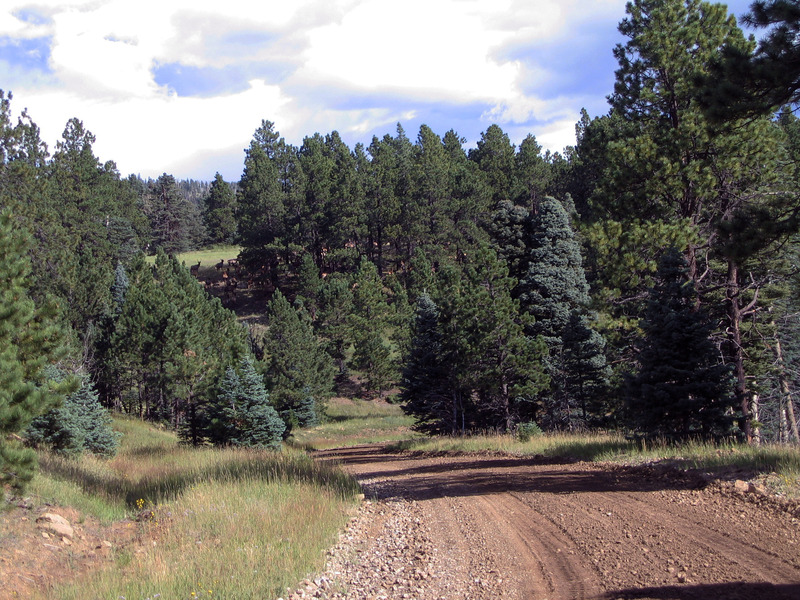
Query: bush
[525,431]
[80,424]
[242,414]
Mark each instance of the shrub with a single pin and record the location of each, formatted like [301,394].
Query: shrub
[80,424]
[525,431]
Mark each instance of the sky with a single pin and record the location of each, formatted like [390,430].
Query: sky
[180,86]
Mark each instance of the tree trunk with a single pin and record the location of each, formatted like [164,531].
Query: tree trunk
[788,422]
[736,354]
[754,405]
[792,420]
[454,428]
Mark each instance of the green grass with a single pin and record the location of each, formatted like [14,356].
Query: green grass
[587,447]
[208,257]
[152,466]
[236,539]
[354,422]
[227,523]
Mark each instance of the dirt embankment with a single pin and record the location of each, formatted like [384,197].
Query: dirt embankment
[494,527]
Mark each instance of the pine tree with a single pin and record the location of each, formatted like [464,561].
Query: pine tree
[167,345]
[470,196]
[264,196]
[334,321]
[119,289]
[370,321]
[553,291]
[510,230]
[587,372]
[311,218]
[309,284]
[175,222]
[426,220]
[420,279]
[506,370]
[725,182]
[382,205]
[748,83]
[494,156]
[80,424]
[219,215]
[29,341]
[297,366]
[425,391]
[532,174]
[345,221]
[84,225]
[242,414]
[555,283]
[681,389]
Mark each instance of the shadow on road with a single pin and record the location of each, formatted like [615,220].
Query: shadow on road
[427,477]
[720,591]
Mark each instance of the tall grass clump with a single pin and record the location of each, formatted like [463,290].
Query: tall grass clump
[697,454]
[160,477]
[590,446]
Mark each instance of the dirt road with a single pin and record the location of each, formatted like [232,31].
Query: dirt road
[489,527]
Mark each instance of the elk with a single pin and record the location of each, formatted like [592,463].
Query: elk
[219,265]
[195,269]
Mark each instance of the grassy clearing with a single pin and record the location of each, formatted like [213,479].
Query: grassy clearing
[153,468]
[216,523]
[208,257]
[354,422]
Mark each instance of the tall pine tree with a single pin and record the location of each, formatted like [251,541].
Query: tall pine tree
[29,341]
[681,390]
[554,291]
[299,371]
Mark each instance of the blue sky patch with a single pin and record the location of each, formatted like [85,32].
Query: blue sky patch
[24,61]
[199,81]
[29,15]
[206,82]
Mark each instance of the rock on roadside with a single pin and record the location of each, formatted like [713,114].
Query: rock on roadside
[55,524]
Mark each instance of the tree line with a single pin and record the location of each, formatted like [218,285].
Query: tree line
[641,280]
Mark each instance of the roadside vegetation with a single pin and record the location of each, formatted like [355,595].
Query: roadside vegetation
[224,523]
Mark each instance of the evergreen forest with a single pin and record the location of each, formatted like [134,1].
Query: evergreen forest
[644,280]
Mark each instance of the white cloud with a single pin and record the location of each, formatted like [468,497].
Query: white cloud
[384,60]
[175,127]
[419,45]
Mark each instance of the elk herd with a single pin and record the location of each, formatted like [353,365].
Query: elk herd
[228,280]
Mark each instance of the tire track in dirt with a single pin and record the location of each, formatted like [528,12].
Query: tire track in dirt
[558,575]
[587,531]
